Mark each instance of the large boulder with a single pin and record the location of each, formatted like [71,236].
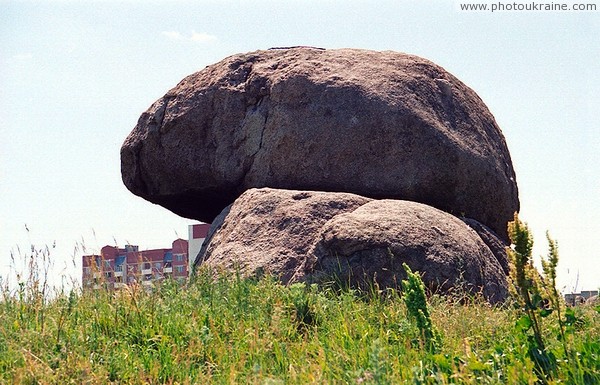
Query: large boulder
[371,243]
[384,125]
[318,236]
[272,231]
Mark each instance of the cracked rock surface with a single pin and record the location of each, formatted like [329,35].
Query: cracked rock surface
[383,125]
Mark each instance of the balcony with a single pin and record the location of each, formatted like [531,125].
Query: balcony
[147,271]
[118,273]
[168,269]
[120,285]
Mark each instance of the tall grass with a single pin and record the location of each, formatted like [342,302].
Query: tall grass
[258,331]
[536,298]
[238,331]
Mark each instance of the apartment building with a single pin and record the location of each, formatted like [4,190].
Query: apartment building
[197,235]
[117,267]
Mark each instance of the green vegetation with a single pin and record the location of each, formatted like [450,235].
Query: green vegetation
[413,293]
[238,331]
[537,299]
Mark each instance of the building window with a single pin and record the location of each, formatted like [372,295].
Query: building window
[107,264]
[119,279]
[179,257]
[180,269]
[119,268]
[158,265]
[108,274]
[147,266]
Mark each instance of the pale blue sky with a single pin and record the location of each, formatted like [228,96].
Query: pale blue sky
[75,76]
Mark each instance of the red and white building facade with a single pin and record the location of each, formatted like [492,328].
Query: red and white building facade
[117,267]
[197,235]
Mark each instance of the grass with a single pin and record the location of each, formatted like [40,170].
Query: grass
[244,331]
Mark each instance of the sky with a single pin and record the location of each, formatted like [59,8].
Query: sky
[76,75]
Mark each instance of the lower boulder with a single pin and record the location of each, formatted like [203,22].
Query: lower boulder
[496,245]
[371,243]
[272,231]
[320,237]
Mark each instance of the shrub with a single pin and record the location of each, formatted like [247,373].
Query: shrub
[413,294]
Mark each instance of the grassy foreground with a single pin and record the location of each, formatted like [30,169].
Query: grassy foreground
[260,332]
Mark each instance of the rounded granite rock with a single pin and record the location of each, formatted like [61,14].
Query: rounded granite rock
[384,125]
